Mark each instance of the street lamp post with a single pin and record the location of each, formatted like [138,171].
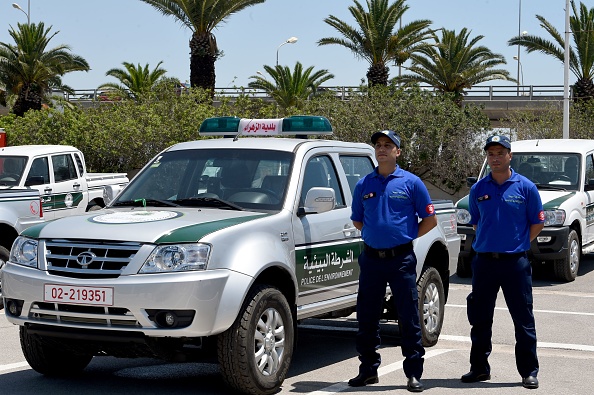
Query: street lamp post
[291,40]
[28,12]
[521,75]
[520,35]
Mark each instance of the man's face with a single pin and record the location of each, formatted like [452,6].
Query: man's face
[498,158]
[386,150]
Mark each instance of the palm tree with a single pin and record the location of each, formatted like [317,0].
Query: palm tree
[134,80]
[29,69]
[454,63]
[581,59]
[202,17]
[376,39]
[290,89]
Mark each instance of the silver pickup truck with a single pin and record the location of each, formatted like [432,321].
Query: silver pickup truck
[217,247]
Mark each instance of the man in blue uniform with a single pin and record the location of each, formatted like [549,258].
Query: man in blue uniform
[507,215]
[387,204]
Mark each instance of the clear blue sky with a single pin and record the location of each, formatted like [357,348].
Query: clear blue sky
[109,32]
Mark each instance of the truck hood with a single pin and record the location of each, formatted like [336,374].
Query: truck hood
[158,225]
[551,200]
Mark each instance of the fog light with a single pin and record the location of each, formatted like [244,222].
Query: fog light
[543,239]
[170,319]
[14,307]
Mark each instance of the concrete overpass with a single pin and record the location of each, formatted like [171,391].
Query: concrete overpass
[498,100]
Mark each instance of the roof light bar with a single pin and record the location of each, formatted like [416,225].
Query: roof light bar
[295,125]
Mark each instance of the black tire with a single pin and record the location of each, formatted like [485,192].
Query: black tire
[464,267]
[4,255]
[51,360]
[431,305]
[94,207]
[256,352]
[566,269]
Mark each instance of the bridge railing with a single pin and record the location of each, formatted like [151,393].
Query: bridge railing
[476,93]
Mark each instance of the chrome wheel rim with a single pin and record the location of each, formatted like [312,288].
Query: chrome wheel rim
[431,308]
[269,342]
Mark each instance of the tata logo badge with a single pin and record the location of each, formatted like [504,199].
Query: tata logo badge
[85,259]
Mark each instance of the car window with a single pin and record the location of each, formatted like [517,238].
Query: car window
[320,172]
[355,168]
[63,168]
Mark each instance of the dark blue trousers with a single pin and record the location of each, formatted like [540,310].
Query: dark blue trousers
[514,277]
[400,273]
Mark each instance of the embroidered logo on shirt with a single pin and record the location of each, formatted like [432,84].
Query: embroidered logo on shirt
[430,209]
[541,216]
[398,195]
[484,197]
[369,195]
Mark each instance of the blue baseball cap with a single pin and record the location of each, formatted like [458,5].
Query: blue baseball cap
[497,139]
[389,134]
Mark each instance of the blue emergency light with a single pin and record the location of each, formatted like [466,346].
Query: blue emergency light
[297,125]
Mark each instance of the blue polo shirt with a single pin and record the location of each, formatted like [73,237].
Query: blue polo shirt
[389,207]
[504,213]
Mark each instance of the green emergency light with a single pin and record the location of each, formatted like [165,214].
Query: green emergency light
[297,125]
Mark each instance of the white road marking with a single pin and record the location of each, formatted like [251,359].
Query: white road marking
[580,313]
[559,346]
[10,366]
[342,386]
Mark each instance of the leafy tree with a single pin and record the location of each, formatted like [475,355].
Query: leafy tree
[376,38]
[290,89]
[202,17]
[134,80]
[581,58]
[29,69]
[454,63]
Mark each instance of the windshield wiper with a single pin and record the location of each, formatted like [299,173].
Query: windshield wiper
[146,202]
[208,202]
[550,187]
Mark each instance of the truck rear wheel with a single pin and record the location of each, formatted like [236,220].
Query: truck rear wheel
[255,353]
[49,359]
[431,305]
[566,269]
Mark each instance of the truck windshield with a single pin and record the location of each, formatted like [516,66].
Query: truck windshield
[11,169]
[547,170]
[245,179]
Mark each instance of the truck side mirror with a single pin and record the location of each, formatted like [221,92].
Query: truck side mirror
[34,180]
[318,200]
[110,192]
[470,181]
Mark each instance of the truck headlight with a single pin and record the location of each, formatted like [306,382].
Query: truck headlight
[24,252]
[462,216]
[554,217]
[177,258]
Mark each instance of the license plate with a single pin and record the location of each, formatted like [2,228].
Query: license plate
[100,296]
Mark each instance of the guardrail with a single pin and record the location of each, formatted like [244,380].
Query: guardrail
[476,93]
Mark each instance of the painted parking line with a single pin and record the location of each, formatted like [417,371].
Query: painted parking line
[342,386]
[11,366]
[559,346]
[463,306]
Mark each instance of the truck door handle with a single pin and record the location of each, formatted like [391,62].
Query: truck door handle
[47,190]
[76,185]
[349,229]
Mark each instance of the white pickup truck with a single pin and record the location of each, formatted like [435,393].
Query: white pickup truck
[563,171]
[217,247]
[58,174]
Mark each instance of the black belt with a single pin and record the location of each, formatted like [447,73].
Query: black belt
[390,252]
[501,255]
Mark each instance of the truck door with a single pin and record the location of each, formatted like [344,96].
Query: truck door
[326,244]
[589,191]
[39,178]
[67,188]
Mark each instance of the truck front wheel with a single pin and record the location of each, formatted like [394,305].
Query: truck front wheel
[431,305]
[566,269]
[255,353]
[49,359]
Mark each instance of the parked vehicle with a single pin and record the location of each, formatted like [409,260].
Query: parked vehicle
[198,257]
[58,174]
[563,171]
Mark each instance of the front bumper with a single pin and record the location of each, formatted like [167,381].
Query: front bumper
[211,298]
[554,248]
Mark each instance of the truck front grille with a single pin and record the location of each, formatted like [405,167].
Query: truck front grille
[85,315]
[80,259]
